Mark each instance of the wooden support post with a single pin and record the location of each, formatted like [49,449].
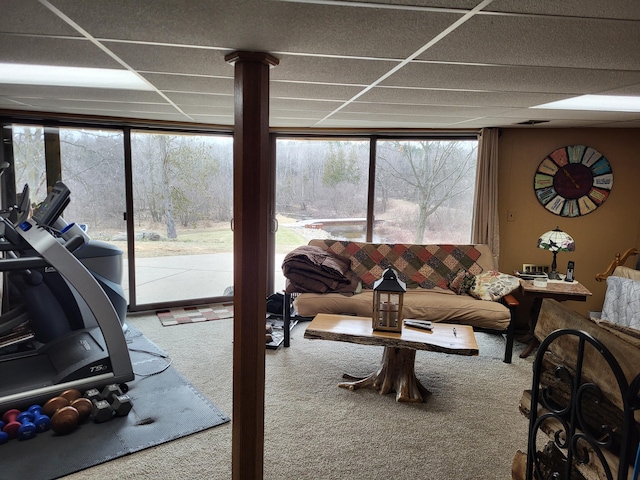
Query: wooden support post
[251,153]
[52,157]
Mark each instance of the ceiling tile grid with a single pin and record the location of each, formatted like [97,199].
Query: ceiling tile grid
[343,64]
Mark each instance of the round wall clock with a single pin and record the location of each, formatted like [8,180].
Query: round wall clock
[573,180]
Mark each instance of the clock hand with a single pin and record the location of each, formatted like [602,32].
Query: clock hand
[570,177]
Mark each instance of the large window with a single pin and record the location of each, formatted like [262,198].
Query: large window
[182,193]
[183,205]
[321,192]
[421,191]
[424,191]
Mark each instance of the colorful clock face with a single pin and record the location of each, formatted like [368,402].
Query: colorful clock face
[573,180]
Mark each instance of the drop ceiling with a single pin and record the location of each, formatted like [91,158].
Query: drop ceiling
[426,64]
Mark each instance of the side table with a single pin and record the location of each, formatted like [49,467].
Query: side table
[556,289]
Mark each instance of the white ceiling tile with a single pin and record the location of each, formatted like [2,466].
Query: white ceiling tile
[620,9]
[465,98]
[326,106]
[345,63]
[511,78]
[266,25]
[53,51]
[330,70]
[32,17]
[68,93]
[542,41]
[190,83]
[171,59]
[195,99]
[294,90]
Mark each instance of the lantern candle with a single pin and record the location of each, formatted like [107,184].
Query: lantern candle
[387,302]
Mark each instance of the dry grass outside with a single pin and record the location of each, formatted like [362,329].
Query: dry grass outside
[213,239]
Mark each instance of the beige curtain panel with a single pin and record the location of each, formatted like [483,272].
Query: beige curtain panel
[485,217]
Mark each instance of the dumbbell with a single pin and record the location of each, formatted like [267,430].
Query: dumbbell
[73,398]
[119,401]
[65,420]
[108,403]
[101,411]
[71,395]
[64,417]
[84,407]
[53,405]
[19,424]
[40,420]
[4,437]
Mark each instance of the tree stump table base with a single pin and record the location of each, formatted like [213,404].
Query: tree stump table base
[395,374]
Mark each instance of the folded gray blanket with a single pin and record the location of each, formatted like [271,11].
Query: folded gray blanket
[312,269]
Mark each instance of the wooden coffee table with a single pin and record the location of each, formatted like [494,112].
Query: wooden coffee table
[397,369]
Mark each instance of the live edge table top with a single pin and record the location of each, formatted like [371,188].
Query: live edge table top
[445,337]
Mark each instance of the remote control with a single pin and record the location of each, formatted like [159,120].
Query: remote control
[423,322]
[420,325]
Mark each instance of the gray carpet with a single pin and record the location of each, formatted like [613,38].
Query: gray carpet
[468,429]
[165,407]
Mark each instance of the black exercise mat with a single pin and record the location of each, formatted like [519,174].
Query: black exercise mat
[165,407]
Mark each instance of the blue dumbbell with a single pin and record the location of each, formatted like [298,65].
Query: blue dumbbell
[41,421]
[19,425]
[28,429]
[4,437]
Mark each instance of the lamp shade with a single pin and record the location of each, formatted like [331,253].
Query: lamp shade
[556,241]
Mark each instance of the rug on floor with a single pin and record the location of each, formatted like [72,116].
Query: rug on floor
[165,407]
[178,316]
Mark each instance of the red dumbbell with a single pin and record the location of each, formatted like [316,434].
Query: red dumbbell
[19,424]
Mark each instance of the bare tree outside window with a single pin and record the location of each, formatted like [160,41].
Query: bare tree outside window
[424,191]
[181,181]
[93,169]
[343,174]
[29,161]
[321,185]
[183,204]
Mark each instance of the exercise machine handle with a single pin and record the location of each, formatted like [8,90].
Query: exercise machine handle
[74,243]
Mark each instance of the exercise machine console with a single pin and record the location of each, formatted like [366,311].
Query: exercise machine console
[77,314]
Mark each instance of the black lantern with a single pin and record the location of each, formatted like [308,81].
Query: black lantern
[388,293]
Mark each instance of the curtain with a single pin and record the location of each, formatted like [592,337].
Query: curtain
[485,210]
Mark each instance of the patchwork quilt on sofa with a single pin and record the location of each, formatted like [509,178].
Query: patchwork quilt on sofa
[445,283]
[425,266]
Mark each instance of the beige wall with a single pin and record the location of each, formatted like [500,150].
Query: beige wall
[611,229]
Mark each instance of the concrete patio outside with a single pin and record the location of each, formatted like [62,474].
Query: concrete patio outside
[181,277]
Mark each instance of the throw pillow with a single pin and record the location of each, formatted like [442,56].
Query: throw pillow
[462,282]
[622,302]
[493,285]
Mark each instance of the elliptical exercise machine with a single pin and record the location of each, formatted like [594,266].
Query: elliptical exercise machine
[70,291]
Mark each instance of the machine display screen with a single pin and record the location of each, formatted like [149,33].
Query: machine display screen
[52,206]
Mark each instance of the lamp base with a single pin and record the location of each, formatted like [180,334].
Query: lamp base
[554,275]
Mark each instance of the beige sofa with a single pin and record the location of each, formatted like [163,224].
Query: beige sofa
[428,271]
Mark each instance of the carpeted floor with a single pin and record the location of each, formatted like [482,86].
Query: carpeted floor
[178,316]
[468,429]
[165,407]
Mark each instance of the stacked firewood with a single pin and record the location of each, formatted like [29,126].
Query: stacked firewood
[597,401]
